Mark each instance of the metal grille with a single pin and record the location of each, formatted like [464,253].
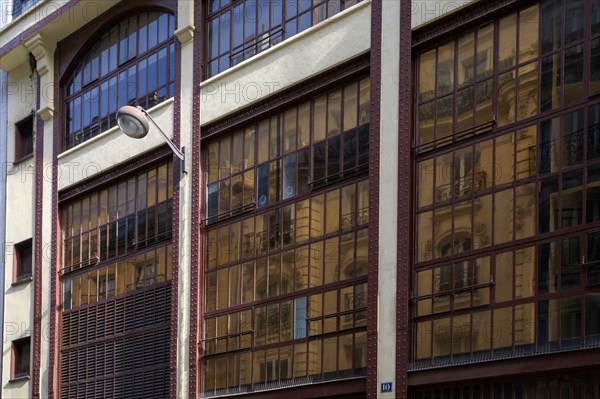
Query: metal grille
[118,348]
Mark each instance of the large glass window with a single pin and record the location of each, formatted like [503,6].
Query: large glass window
[287,246]
[132,63]
[319,142]
[237,30]
[492,278]
[116,287]
[114,227]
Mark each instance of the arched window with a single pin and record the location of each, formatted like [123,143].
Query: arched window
[132,63]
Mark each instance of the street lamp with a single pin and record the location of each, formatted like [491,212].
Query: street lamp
[133,121]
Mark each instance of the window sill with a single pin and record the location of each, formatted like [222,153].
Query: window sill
[19,379]
[23,158]
[22,281]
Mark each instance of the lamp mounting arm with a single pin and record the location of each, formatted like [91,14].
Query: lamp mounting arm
[176,150]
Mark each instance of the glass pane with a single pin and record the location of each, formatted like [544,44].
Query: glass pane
[507,48]
[528,33]
[570,263]
[525,279]
[506,98]
[334,109]
[364,107]
[548,205]
[425,183]
[574,18]
[427,76]
[485,51]
[289,131]
[572,199]
[481,331]
[570,322]
[320,114]
[503,278]
[549,145]
[247,282]
[573,138]
[595,66]
[483,102]
[427,122]
[332,222]
[504,167]
[550,85]
[466,59]
[445,113]
[303,125]
[263,185]
[263,141]
[502,328]
[573,90]
[350,106]
[464,109]
[546,268]
[525,211]
[503,216]
[445,69]
[528,91]
[441,337]
[424,236]
[482,222]
[593,194]
[551,25]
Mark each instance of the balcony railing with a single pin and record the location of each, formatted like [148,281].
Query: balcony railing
[462,187]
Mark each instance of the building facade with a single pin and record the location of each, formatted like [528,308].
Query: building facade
[377,199]
[506,203]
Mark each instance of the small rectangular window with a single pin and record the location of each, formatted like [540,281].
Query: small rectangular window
[300,318]
[24,138]
[21,358]
[23,260]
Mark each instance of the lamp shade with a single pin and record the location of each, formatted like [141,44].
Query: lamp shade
[133,122]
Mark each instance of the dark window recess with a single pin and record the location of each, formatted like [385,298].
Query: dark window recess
[593,259]
[237,30]
[21,357]
[23,260]
[20,6]
[24,138]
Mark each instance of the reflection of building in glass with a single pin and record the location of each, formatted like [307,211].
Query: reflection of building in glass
[286,284]
[506,204]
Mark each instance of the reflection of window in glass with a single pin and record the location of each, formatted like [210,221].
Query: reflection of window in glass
[593,194]
[595,66]
[549,144]
[570,322]
[572,199]
[526,152]
[547,325]
[547,268]
[593,132]
[573,90]
[570,263]
[548,205]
